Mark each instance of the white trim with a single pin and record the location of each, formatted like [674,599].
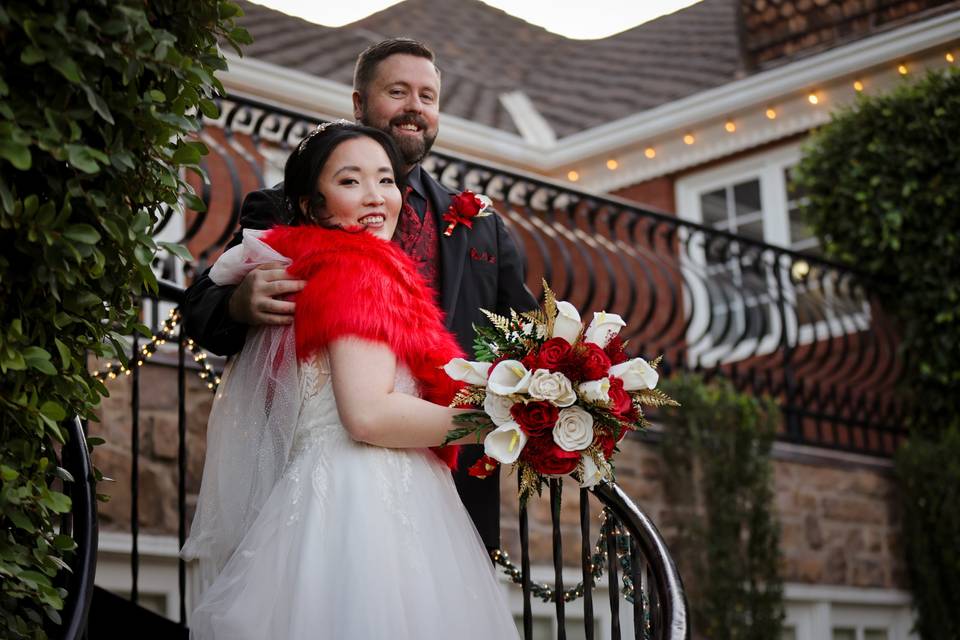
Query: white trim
[762,87]
[846,595]
[534,127]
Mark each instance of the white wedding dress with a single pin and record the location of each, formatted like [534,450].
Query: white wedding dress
[355,542]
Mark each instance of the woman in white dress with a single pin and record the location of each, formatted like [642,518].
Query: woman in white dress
[323,511]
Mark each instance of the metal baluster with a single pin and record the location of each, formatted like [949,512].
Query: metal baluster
[613,577]
[135,473]
[182,470]
[525,572]
[586,562]
[636,574]
[555,490]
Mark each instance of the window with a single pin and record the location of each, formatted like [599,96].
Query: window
[734,288]
[846,613]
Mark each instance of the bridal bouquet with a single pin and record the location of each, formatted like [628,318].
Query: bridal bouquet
[558,397]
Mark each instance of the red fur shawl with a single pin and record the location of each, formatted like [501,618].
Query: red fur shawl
[359,285]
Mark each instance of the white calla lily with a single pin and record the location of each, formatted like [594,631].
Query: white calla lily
[592,474]
[467,371]
[595,390]
[498,408]
[508,377]
[636,374]
[603,327]
[505,443]
[567,324]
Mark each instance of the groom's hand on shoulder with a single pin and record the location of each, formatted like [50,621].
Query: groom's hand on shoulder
[259,298]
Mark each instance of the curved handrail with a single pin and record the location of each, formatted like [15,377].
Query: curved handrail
[671,597]
[83,528]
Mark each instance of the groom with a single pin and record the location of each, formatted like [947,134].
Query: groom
[396,89]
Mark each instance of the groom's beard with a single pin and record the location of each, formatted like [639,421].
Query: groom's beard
[412,148]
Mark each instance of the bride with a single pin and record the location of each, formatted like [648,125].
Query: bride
[323,512]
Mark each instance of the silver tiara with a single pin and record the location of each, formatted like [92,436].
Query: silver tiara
[320,129]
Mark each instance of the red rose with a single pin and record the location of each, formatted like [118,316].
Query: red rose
[483,467]
[621,402]
[535,418]
[466,204]
[547,458]
[553,354]
[530,361]
[607,443]
[594,363]
[614,350]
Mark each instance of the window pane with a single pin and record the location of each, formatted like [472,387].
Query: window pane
[844,633]
[713,207]
[789,633]
[752,230]
[875,634]
[746,196]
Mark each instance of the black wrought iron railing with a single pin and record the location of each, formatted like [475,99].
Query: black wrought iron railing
[775,321]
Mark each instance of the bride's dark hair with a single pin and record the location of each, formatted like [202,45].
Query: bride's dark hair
[307,161]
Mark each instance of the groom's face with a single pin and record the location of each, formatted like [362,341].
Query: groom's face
[403,100]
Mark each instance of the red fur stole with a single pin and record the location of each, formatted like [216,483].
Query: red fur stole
[359,285]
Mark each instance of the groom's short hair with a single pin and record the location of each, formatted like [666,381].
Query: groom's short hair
[373,55]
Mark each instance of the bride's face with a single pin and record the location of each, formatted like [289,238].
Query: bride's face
[359,188]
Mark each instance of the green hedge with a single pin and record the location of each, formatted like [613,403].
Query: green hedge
[883,180]
[716,449]
[97,99]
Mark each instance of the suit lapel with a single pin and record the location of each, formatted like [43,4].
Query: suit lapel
[453,248]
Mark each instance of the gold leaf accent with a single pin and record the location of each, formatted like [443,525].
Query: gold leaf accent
[654,398]
[469,395]
[529,481]
[549,306]
[499,322]
[655,363]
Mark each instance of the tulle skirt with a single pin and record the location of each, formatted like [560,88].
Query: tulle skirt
[357,542]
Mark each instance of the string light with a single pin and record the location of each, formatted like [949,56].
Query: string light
[730,126]
[573,176]
[902,69]
[612,164]
[771,113]
[167,332]
[857,86]
[949,57]
[689,139]
[650,153]
[813,98]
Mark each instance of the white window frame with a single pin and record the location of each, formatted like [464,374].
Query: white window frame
[769,169]
[814,611]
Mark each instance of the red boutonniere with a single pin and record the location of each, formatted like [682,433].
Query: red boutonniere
[464,207]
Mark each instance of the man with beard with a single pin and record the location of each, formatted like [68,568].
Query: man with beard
[396,90]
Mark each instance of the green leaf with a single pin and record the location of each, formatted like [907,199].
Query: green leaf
[69,69]
[98,104]
[16,153]
[39,359]
[8,473]
[64,542]
[32,55]
[83,233]
[81,158]
[56,501]
[53,411]
[178,250]
[64,351]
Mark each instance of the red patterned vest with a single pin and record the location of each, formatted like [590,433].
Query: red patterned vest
[419,240]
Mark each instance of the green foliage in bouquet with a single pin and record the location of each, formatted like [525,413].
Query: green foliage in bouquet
[97,98]
[717,453]
[883,180]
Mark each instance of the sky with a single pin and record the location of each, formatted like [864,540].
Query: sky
[571,18]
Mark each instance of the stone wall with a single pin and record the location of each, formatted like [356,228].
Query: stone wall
[838,514]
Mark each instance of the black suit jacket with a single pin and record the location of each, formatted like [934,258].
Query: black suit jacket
[479,268]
